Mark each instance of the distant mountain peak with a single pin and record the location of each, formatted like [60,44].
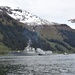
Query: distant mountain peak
[72,20]
[25,17]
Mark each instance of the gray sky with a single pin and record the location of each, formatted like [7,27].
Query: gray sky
[53,10]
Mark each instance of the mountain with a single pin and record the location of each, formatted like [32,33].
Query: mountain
[60,37]
[72,20]
[14,35]
[17,27]
[25,17]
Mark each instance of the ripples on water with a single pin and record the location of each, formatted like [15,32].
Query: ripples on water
[38,65]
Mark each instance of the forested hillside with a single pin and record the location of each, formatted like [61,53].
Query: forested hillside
[15,35]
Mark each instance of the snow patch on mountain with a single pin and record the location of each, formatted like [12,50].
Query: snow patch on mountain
[25,17]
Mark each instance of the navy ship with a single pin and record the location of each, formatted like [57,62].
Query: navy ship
[29,51]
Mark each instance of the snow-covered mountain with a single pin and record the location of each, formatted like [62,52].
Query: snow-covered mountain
[51,36]
[72,20]
[25,17]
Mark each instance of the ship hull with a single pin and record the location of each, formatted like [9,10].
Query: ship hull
[21,54]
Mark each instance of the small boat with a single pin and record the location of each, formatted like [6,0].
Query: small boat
[40,51]
[65,53]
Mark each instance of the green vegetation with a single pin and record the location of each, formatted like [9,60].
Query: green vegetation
[15,35]
[3,49]
[61,38]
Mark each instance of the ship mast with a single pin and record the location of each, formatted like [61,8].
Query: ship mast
[29,43]
[28,48]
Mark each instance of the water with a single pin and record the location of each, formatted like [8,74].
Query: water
[38,65]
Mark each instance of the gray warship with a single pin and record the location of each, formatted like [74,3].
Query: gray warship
[28,51]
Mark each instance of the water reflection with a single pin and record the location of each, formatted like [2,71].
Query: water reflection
[38,65]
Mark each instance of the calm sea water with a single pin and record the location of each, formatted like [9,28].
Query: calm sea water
[38,65]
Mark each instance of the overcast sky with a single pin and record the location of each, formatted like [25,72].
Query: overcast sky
[53,10]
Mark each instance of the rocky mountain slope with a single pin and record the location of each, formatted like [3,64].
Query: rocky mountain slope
[25,17]
[16,31]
